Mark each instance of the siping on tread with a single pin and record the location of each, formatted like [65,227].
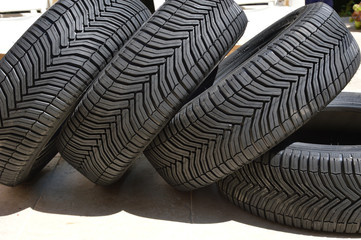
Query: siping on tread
[308,182]
[46,71]
[148,81]
[263,92]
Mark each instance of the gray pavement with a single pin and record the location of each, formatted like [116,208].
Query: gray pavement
[61,204]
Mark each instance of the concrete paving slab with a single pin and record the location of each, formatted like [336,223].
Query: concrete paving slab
[13,225]
[16,203]
[15,199]
[140,192]
[139,207]
[118,226]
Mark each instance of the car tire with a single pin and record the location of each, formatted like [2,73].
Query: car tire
[307,181]
[47,70]
[263,93]
[147,83]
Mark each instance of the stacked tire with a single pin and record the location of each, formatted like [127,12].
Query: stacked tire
[312,179]
[102,81]
[45,73]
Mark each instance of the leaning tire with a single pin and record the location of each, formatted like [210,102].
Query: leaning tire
[308,185]
[264,92]
[147,83]
[46,71]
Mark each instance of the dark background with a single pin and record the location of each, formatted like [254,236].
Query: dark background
[344,7]
[149,4]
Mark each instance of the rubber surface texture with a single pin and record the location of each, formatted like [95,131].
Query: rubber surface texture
[315,186]
[147,83]
[47,70]
[263,92]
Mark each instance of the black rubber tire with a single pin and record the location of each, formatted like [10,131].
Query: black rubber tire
[265,91]
[307,185]
[47,70]
[147,83]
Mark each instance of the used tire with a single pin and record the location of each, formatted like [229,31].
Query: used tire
[147,83]
[47,70]
[264,92]
[312,185]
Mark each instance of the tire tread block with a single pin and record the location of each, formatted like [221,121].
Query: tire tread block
[267,111]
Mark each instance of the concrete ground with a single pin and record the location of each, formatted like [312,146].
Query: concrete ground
[61,204]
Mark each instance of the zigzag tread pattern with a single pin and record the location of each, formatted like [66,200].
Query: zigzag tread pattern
[46,71]
[310,189]
[258,102]
[144,86]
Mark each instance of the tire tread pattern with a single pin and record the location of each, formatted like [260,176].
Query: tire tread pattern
[148,81]
[260,102]
[46,71]
[315,189]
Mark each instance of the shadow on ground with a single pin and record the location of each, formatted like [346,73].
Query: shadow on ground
[60,189]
